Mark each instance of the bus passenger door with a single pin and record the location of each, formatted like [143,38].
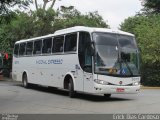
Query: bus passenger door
[87,74]
[85,60]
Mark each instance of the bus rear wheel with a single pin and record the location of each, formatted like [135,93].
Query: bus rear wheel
[25,81]
[71,88]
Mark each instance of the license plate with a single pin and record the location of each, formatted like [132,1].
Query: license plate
[120,89]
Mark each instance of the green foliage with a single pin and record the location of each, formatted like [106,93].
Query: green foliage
[75,18]
[18,28]
[130,23]
[147,31]
[151,6]
[6,12]
[43,22]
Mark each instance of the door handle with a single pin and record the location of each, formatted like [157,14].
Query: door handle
[88,79]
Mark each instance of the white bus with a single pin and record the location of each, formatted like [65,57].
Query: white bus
[80,59]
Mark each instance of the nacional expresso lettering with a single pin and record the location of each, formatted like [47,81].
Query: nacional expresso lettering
[52,61]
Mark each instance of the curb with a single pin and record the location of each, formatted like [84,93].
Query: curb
[147,87]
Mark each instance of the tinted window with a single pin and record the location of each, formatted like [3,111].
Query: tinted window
[29,48]
[47,44]
[22,49]
[37,47]
[58,44]
[16,48]
[70,42]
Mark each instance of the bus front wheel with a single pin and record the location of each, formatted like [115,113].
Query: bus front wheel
[25,81]
[107,95]
[71,88]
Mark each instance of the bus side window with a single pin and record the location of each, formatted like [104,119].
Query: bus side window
[22,49]
[58,44]
[16,48]
[70,42]
[47,45]
[37,47]
[84,51]
[29,48]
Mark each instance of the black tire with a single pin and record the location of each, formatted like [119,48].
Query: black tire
[25,81]
[107,95]
[71,88]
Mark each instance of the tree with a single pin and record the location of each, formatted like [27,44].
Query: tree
[130,23]
[6,13]
[147,29]
[20,27]
[151,6]
[69,17]
[45,2]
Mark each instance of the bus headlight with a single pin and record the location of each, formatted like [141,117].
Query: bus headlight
[136,83]
[101,82]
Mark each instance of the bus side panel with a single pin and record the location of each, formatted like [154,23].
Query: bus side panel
[15,70]
[24,64]
[49,70]
[52,70]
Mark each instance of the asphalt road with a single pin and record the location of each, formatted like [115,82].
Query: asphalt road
[16,99]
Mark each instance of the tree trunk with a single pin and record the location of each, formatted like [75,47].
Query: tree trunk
[36,4]
[45,3]
[53,2]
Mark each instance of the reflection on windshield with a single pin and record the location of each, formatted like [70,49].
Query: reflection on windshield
[115,56]
[109,52]
[126,41]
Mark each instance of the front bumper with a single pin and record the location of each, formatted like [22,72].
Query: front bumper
[115,89]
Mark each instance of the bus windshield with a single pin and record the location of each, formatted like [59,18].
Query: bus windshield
[116,55]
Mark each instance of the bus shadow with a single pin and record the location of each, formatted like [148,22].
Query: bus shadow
[99,98]
[82,96]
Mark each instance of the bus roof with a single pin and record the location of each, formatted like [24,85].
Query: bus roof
[76,29]
[90,29]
